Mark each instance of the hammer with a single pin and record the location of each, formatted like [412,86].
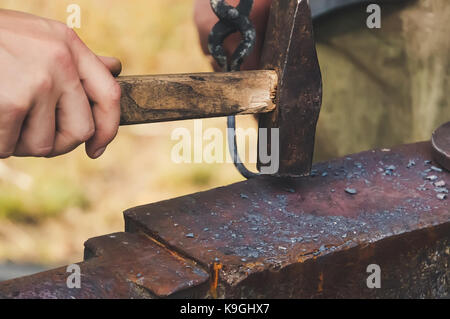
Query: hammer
[287,91]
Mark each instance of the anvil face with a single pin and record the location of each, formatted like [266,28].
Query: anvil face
[257,226]
[301,238]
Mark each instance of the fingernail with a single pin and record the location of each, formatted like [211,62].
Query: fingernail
[99,152]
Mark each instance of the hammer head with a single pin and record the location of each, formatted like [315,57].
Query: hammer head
[290,50]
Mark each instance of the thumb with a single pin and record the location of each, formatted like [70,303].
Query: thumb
[113,64]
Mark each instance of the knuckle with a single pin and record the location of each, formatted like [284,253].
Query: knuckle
[44,82]
[58,26]
[63,30]
[69,34]
[60,54]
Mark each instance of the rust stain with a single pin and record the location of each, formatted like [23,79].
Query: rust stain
[301,259]
[254,265]
[320,285]
[215,280]
[170,251]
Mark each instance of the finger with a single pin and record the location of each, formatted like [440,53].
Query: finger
[113,64]
[38,130]
[104,93]
[11,120]
[75,124]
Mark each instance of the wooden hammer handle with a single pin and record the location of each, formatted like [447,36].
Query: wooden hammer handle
[159,98]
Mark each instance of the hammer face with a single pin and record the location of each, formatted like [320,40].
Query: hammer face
[290,50]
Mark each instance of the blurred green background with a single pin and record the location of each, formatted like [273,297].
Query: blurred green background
[381,88]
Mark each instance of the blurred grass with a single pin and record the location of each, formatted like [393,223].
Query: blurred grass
[47,199]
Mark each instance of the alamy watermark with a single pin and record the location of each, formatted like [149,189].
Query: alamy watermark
[74,19]
[374,19]
[374,279]
[208,146]
[73,281]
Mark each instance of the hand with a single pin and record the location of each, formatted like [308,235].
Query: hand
[205,19]
[55,94]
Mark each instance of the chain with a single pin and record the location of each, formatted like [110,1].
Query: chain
[231,20]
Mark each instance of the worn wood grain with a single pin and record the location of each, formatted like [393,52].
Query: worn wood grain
[158,98]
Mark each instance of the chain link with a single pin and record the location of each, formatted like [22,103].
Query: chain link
[231,20]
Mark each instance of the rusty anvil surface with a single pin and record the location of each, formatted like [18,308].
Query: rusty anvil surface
[299,238]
